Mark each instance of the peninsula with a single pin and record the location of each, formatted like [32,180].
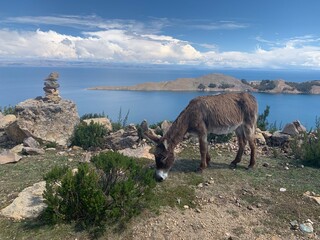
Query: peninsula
[222,83]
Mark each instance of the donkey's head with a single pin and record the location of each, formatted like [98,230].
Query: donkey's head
[163,154]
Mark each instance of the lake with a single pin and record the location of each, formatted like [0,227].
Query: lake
[20,83]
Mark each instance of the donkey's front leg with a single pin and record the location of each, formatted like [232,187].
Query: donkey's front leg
[205,158]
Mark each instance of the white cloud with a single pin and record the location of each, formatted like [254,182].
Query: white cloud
[107,45]
[130,41]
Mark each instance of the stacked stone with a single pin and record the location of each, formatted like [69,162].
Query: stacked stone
[51,88]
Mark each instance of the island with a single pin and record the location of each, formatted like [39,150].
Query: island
[217,82]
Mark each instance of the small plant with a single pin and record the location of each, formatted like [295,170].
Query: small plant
[201,87]
[92,115]
[110,191]
[307,147]
[121,122]
[273,127]
[6,110]
[75,197]
[51,145]
[262,122]
[89,135]
[214,138]
[226,85]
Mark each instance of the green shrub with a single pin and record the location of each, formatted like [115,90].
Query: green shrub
[110,191]
[307,147]
[89,135]
[226,85]
[214,138]
[121,122]
[212,85]
[75,197]
[51,145]
[201,87]
[262,122]
[8,110]
[92,115]
[266,85]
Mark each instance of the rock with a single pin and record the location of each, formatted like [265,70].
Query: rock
[9,157]
[17,149]
[29,203]
[265,164]
[312,196]
[32,151]
[283,189]
[294,225]
[306,227]
[294,128]
[51,88]
[6,120]
[122,139]
[139,152]
[44,121]
[165,125]
[102,121]
[31,142]
[259,138]
[279,139]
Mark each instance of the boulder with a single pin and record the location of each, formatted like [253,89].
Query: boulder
[17,149]
[279,139]
[7,120]
[32,151]
[31,142]
[29,203]
[124,138]
[259,137]
[102,121]
[139,152]
[45,121]
[294,128]
[9,157]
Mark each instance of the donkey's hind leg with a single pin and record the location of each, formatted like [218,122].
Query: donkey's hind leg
[241,143]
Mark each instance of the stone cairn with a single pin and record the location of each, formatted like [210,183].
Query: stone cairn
[51,88]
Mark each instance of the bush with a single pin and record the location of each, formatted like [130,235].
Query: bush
[226,85]
[212,85]
[307,147]
[201,87]
[89,135]
[92,115]
[214,138]
[112,190]
[121,122]
[8,110]
[266,85]
[262,122]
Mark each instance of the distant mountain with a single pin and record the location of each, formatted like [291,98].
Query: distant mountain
[220,82]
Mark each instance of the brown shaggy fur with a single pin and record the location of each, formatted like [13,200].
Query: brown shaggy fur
[218,114]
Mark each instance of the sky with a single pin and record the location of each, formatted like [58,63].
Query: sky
[237,34]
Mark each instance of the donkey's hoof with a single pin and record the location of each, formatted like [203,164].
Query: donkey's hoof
[250,168]
[233,166]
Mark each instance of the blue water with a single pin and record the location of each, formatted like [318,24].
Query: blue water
[20,83]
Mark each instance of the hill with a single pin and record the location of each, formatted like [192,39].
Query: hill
[220,82]
[211,82]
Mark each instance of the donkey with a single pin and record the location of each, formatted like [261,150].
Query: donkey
[218,114]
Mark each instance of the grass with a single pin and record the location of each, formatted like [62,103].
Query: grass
[260,186]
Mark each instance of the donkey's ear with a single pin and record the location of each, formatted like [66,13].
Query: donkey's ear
[147,132]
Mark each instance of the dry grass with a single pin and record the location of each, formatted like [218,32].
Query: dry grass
[259,189]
